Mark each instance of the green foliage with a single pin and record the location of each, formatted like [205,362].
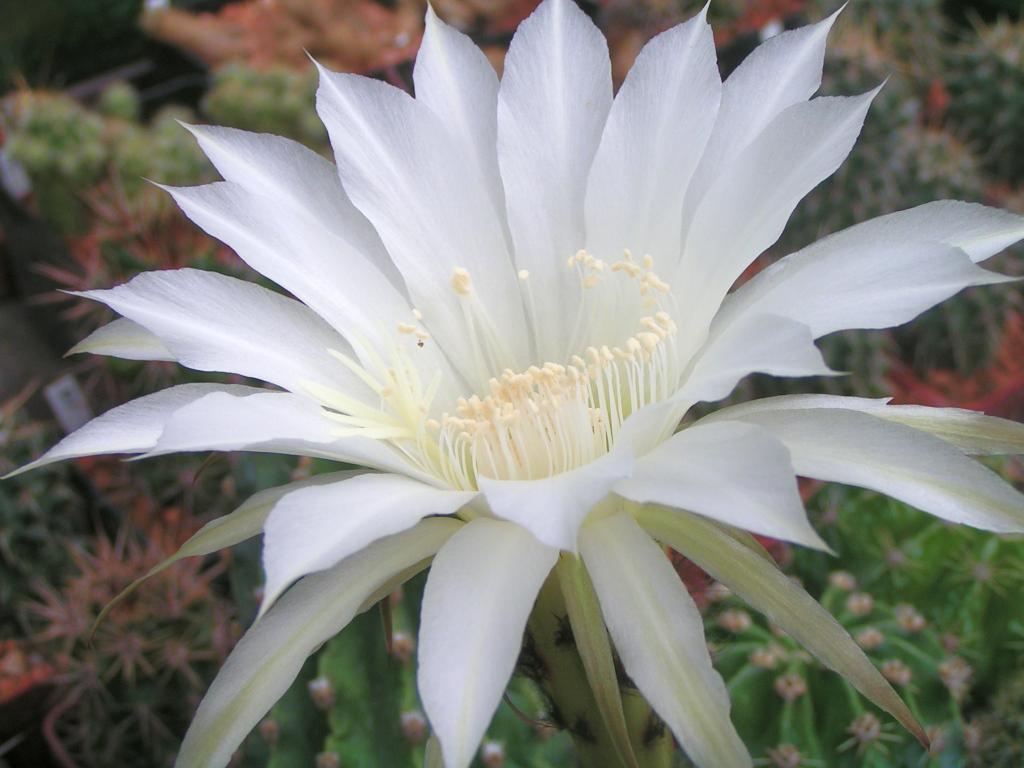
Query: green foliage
[275,100]
[986,87]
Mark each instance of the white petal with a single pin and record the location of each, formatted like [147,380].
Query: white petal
[273,422]
[753,343]
[268,658]
[659,635]
[125,339]
[554,97]
[971,432]
[781,72]
[759,582]
[428,202]
[980,231]
[849,282]
[733,472]
[656,130]
[296,178]
[481,588]
[454,78]
[860,449]
[748,205]
[212,322]
[320,269]
[133,427]
[313,528]
[553,508]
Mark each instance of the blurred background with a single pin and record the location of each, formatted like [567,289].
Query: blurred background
[90,96]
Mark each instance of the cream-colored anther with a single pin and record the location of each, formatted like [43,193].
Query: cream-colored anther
[524,274]
[417,314]
[406,328]
[461,282]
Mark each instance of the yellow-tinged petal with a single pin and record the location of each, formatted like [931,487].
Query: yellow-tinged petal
[595,651]
[770,591]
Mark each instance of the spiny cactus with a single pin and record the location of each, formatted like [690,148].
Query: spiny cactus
[794,712]
[967,582]
[985,78]
[129,692]
[274,100]
[999,730]
[37,512]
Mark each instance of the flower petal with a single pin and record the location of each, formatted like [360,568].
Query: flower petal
[795,152]
[849,282]
[212,322]
[273,422]
[980,231]
[657,127]
[852,447]
[312,528]
[552,103]
[728,471]
[752,343]
[759,582]
[133,427]
[453,77]
[269,656]
[125,339]
[407,174]
[783,71]
[659,635]
[481,588]
[308,260]
[296,178]
[553,508]
[595,650]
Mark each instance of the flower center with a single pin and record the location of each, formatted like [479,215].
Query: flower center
[531,424]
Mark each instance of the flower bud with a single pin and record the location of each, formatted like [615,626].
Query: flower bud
[321,692]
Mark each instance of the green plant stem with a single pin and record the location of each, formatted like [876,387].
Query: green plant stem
[550,658]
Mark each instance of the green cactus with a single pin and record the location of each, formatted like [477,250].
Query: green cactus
[275,100]
[999,730]
[985,78]
[120,100]
[790,709]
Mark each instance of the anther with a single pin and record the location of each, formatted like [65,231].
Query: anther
[461,282]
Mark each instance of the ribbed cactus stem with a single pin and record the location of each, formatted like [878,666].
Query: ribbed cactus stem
[551,659]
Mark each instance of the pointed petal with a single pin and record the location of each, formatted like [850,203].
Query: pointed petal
[481,588]
[857,448]
[133,427]
[273,422]
[125,339]
[660,638]
[979,231]
[656,130]
[312,528]
[971,432]
[554,97]
[781,72]
[303,256]
[595,651]
[752,343]
[454,78]
[425,196]
[869,284]
[799,149]
[759,582]
[553,508]
[269,656]
[296,178]
[732,472]
[212,322]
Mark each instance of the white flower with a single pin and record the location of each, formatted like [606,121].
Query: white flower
[507,296]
